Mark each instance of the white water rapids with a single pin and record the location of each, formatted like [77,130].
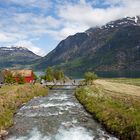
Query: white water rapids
[58,116]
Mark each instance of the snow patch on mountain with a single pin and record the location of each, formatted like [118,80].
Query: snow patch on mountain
[12,48]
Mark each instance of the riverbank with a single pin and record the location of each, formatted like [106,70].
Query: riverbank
[115,104]
[12,97]
[57,116]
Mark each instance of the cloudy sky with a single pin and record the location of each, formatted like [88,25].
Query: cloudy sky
[39,25]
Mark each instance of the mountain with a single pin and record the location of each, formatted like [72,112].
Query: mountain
[16,57]
[112,47]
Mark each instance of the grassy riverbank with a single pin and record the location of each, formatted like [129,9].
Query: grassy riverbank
[115,104]
[11,97]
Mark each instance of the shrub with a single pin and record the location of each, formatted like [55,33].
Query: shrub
[9,79]
[89,77]
[21,80]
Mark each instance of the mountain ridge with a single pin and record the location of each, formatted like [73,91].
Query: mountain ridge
[16,57]
[112,47]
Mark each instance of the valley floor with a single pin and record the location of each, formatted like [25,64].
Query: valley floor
[119,87]
[115,104]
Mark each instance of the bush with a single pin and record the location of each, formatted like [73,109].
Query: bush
[21,80]
[89,77]
[9,79]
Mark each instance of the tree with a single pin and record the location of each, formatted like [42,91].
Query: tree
[9,79]
[35,76]
[21,80]
[49,74]
[43,77]
[53,74]
[62,74]
[90,76]
[58,74]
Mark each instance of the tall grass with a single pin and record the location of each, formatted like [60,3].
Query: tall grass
[120,114]
[12,97]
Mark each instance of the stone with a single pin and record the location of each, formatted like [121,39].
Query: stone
[35,107]
[3,133]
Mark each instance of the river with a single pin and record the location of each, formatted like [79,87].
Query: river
[58,116]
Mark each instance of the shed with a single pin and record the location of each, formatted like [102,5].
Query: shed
[28,75]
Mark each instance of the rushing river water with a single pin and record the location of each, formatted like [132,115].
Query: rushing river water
[58,116]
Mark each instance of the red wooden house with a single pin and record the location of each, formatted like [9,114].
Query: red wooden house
[28,75]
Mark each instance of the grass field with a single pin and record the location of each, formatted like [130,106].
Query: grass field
[12,97]
[115,104]
[119,86]
[131,81]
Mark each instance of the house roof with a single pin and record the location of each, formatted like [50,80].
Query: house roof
[24,73]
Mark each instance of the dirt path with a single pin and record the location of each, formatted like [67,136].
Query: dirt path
[119,87]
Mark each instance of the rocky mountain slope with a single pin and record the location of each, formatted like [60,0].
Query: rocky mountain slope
[113,47]
[16,57]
